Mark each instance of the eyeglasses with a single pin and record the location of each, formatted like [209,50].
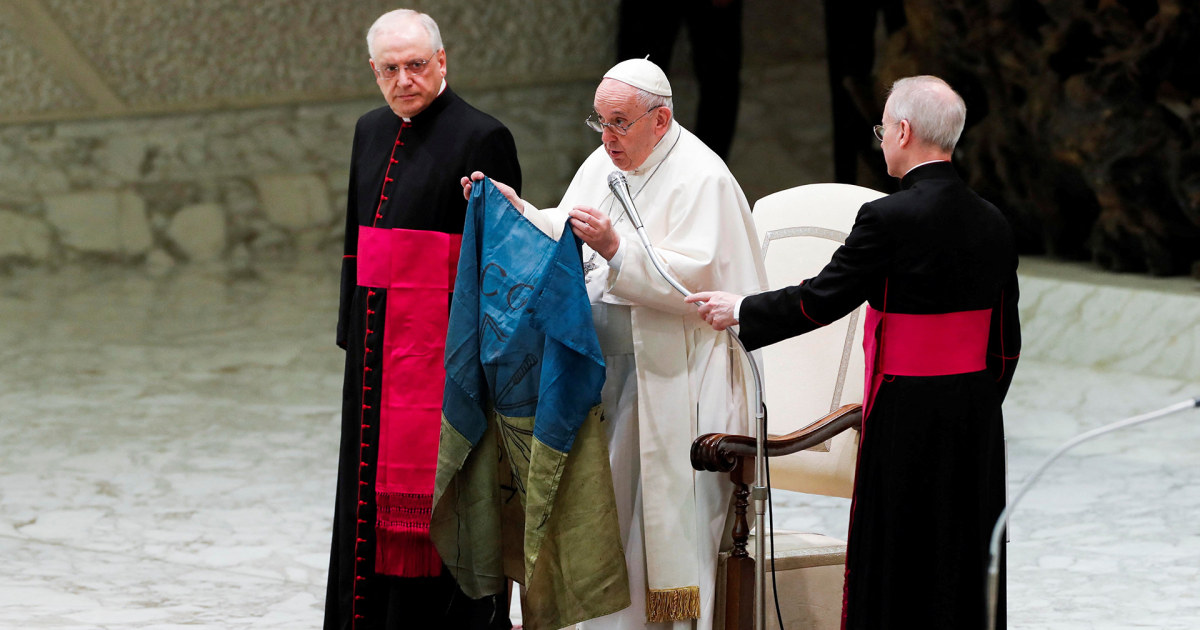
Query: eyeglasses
[879,129]
[617,126]
[414,68]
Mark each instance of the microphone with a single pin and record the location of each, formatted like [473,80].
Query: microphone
[620,189]
[993,570]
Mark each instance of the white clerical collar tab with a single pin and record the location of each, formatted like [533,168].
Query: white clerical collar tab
[920,165]
[642,74]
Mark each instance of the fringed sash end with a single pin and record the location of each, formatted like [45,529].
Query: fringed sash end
[405,553]
[672,604]
[402,544]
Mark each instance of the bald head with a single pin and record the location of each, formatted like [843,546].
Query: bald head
[935,112]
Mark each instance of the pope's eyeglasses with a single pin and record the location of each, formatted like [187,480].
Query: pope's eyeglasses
[617,126]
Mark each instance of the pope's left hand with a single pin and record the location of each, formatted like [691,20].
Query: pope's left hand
[596,229]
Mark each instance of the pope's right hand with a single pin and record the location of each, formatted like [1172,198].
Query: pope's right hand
[504,189]
[466,183]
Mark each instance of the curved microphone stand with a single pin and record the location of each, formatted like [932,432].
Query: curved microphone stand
[993,572]
[620,190]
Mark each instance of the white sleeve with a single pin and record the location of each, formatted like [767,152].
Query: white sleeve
[615,261]
[550,221]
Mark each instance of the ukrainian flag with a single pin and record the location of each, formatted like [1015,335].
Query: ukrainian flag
[523,484]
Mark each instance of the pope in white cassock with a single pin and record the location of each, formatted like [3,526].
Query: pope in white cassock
[670,376]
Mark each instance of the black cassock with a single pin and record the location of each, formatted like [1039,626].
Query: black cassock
[931,471]
[420,190]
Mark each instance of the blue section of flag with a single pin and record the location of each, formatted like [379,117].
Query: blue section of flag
[520,339]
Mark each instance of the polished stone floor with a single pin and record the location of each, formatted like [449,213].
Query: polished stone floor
[168,445]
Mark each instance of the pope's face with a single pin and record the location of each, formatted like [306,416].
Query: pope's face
[617,103]
[409,92]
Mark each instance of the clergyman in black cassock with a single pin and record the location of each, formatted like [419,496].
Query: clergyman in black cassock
[937,266]
[405,167]
[930,479]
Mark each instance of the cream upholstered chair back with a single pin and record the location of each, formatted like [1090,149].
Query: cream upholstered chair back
[811,375]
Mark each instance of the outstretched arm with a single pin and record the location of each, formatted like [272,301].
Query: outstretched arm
[547,221]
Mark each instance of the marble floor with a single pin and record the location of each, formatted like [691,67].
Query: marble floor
[168,445]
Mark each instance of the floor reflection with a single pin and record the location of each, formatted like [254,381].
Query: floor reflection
[168,446]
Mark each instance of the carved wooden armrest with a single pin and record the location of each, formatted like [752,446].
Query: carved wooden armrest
[719,452]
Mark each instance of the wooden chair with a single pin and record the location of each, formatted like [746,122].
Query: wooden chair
[813,390]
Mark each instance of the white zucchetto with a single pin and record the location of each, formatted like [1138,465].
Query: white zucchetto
[642,74]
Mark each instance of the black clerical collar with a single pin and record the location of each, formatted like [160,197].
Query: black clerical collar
[940,169]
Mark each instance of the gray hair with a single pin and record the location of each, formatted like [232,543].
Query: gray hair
[932,108]
[387,20]
[648,100]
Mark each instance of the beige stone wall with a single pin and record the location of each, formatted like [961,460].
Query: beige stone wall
[159,133]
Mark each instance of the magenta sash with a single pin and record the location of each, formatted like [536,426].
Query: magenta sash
[902,344]
[417,268]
